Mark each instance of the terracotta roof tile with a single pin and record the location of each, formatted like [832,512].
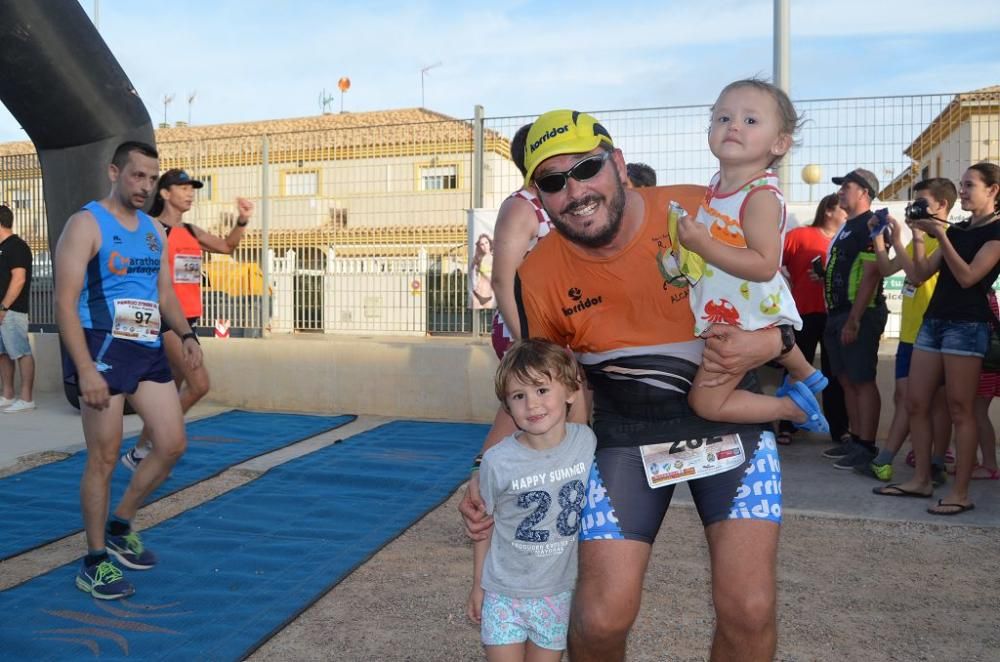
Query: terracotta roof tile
[406,126]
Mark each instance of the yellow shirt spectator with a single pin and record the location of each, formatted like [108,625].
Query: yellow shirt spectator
[915,299]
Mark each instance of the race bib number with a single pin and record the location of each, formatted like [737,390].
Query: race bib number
[136,319]
[187,268]
[680,461]
[909,289]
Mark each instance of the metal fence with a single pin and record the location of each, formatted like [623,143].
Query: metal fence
[362,229]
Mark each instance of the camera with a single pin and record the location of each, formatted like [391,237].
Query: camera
[817,266]
[917,210]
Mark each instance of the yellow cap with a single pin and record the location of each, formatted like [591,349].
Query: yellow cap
[560,132]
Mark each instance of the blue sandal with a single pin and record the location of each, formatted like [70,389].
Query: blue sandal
[816,382]
[804,399]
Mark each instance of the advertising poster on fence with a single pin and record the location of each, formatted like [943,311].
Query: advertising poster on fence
[481,224]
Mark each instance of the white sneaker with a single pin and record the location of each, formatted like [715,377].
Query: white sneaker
[19,405]
[6,402]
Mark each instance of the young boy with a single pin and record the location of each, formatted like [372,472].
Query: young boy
[533,483]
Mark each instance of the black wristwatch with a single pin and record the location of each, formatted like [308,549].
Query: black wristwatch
[787,338]
[192,335]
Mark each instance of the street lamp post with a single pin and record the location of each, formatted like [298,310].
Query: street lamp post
[812,174]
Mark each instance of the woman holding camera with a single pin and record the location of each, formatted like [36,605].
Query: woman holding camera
[955,334]
[933,199]
[803,260]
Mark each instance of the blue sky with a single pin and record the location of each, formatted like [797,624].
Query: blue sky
[251,60]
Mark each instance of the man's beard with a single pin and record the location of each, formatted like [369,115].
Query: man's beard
[130,204]
[616,210]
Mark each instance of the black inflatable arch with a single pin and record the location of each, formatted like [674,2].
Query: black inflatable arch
[72,98]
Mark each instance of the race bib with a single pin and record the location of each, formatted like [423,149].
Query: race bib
[909,289]
[187,268]
[680,461]
[136,319]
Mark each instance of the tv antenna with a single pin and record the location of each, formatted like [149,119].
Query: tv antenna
[423,74]
[325,101]
[167,99]
[191,103]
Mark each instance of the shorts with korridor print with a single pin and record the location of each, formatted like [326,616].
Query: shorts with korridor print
[622,506]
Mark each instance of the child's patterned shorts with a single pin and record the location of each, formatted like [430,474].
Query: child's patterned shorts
[509,620]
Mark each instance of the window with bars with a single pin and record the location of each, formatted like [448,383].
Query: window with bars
[439,178]
[206,192]
[20,199]
[300,182]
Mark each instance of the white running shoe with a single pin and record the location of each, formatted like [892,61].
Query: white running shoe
[6,402]
[18,406]
[131,460]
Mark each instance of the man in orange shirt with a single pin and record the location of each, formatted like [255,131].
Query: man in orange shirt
[601,285]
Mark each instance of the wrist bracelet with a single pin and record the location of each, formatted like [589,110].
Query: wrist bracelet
[476,462]
[243,224]
[192,335]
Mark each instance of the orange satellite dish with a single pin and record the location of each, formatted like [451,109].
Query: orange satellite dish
[344,84]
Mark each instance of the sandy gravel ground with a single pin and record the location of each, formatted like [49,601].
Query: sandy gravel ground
[848,590]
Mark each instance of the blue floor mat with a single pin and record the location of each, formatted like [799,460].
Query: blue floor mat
[235,570]
[41,505]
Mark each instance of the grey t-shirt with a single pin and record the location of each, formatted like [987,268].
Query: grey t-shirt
[536,498]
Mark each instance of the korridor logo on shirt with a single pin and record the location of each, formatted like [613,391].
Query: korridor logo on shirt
[580,302]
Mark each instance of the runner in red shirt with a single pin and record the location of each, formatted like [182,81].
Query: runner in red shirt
[185,243]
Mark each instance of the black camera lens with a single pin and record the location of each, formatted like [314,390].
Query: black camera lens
[917,210]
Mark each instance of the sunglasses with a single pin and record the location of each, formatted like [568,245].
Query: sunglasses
[581,172]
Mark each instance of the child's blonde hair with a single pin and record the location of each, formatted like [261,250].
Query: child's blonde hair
[529,360]
[790,120]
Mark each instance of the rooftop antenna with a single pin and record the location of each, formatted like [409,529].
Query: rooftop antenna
[167,98]
[423,73]
[324,102]
[191,103]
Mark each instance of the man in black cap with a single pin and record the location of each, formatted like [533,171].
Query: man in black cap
[856,317]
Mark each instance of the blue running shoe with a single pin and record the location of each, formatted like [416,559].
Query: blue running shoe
[128,551]
[104,581]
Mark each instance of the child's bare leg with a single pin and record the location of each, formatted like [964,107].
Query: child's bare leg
[506,653]
[535,653]
[725,403]
[796,364]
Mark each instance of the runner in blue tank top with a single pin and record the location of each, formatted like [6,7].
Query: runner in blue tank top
[112,287]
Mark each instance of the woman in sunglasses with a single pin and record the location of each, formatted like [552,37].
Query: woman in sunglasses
[738,231]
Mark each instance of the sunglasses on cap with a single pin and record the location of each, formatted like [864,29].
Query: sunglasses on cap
[583,170]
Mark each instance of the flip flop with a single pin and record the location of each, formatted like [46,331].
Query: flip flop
[990,474]
[804,399]
[816,382]
[898,491]
[959,508]
[784,438]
